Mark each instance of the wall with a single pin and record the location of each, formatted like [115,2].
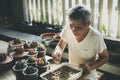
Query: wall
[11,8]
[17,9]
[5,7]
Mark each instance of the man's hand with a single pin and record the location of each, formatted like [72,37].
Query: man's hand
[57,57]
[86,70]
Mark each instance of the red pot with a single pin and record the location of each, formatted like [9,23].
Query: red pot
[7,64]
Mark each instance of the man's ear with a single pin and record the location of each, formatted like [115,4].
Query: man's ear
[89,23]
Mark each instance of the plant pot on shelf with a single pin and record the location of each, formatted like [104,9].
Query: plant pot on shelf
[47,41]
[6,62]
[18,54]
[41,51]
[18,68]
[42,65]
[16,42]
[57,37]
[30,45]
[32,61]
[32,53]
[47,35]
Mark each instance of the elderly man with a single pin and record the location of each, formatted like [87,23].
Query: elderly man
[86,46]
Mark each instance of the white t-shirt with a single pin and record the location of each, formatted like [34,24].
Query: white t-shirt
[86,50]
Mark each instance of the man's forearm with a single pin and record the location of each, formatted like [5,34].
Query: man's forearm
[101,60]
[61,45]
[98,63]
[87,68]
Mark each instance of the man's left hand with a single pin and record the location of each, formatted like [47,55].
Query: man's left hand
[86,70]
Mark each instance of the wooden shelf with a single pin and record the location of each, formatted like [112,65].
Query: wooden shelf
[111,68]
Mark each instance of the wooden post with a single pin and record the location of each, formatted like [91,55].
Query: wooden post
[100,14]
[92,12]
[41,10]
[60,14]
[57,21]
[80,2]
[46,10]
[118,30]
[70,3]
[38,10]
[52,11]
[64,12]
[34,10]
[30,12]
[76,1]
[26,10]
[110,2]
[84,2]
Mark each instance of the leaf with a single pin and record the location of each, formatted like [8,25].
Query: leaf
[104,27]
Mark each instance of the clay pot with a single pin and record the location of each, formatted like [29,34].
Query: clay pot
[7,64]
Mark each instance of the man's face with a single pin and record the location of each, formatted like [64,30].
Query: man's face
[77,27]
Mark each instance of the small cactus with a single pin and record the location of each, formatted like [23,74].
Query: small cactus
[40,48]
[3,57]
[17,41]
[34,44]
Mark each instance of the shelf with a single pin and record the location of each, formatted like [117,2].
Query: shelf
[111,68]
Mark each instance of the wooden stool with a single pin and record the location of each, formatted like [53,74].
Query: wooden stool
[100,74]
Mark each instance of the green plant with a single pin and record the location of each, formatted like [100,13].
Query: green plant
[104,27]
[43,20]
[34,44]
[40,48]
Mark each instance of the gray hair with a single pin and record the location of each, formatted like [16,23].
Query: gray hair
[79,13]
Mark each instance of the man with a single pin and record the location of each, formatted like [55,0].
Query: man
[86,46]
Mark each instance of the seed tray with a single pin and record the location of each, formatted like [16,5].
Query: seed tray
[64,71]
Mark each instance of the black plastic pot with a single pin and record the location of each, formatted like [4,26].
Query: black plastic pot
[30,73]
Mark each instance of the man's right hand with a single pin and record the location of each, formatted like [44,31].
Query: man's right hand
[57,57]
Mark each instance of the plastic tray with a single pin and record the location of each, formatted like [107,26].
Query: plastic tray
[74,76]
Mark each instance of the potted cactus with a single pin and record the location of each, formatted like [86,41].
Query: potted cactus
[31,61]
[18,68]
[42,65]
[30,73]
[41,51]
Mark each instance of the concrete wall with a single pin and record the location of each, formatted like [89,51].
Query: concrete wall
[17,9]
[5,7]
[12,8]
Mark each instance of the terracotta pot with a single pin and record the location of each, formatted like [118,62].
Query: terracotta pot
[41,54]
[47,35]
[7,64]
[19,57]
[47,41]
[56,37]
[35,53]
